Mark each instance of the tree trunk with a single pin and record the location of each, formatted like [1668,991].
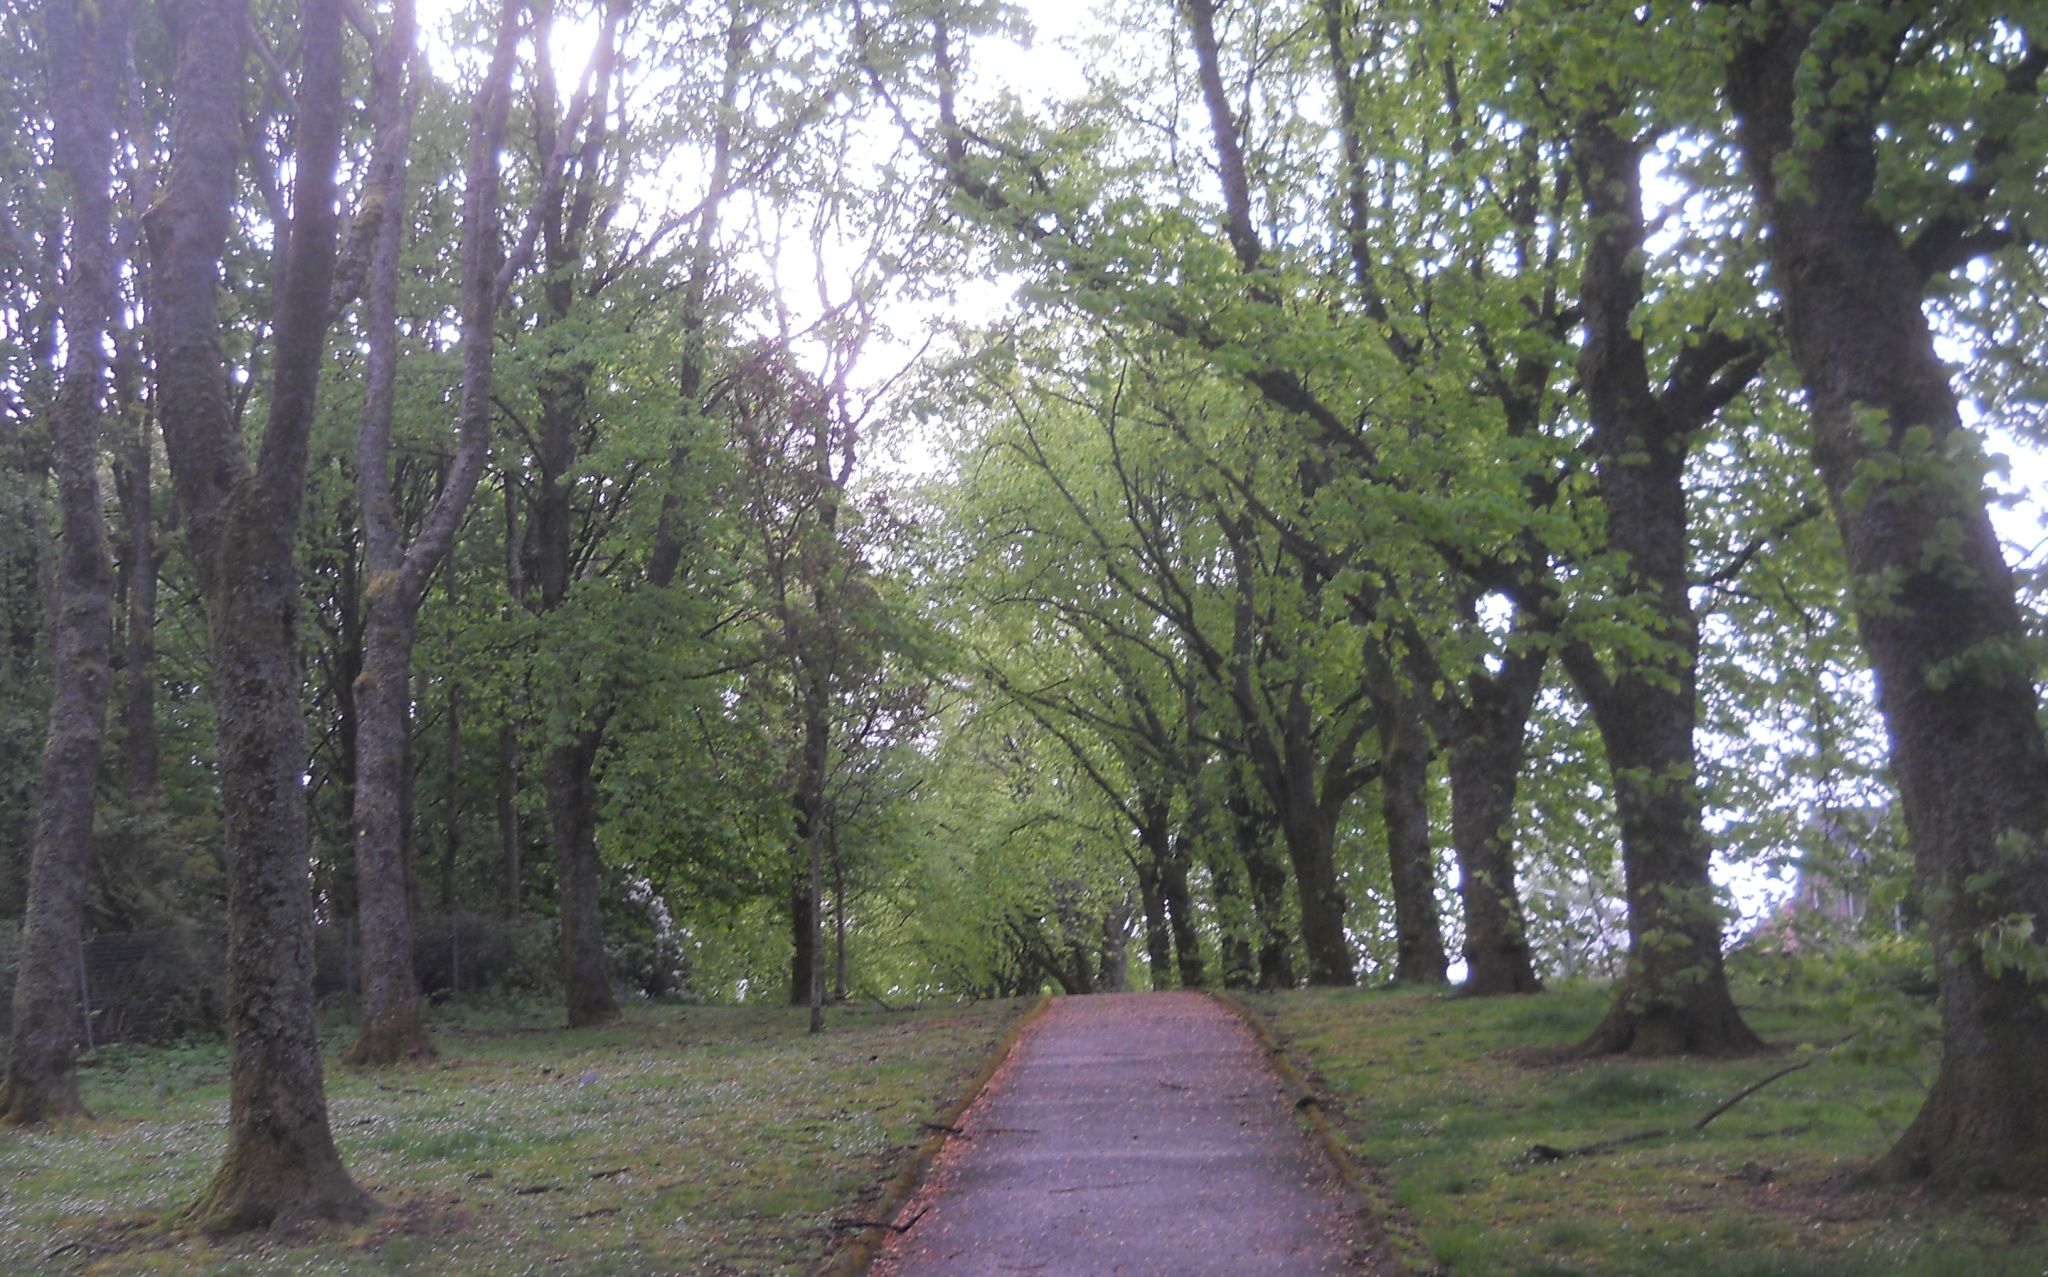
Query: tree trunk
[389,1029]
[1675,997]
[571,785]
[242,520]
[1311,849]
[509,832]
[1485,752]
[42,1079]
[1252,834]
[1933,595]
[140,748]
[838,917]
[1411,863]
[1231,902]
[1152,853]
[1180,913]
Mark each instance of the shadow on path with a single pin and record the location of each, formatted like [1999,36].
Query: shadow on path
[1139,1133]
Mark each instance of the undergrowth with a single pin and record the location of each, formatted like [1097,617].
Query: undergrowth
[680,1140]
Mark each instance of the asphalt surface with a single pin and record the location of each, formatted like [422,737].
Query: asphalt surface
[1132,1134]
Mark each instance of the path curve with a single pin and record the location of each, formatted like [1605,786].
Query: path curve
[1137,1133]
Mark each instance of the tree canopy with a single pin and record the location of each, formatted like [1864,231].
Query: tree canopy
[794,506]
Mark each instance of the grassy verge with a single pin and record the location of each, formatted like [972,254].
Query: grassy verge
[691,1140]
[1446,1099]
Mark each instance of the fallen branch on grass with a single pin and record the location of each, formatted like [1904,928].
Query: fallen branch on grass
[1550,1153]
[1750,1090]
[903,1227]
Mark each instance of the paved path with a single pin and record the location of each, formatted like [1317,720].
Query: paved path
[1139,1133]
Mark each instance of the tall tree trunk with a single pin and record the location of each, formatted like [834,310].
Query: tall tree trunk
[1644,699]
[1310,837]
[1932,592]
[141,751]
[242,521]
[1252,836]
[509,833]
[1154,849]
[389,1027]
[1419,957]
[451,756]
[802,927]
[838,915]
[1484,745]
[42,1079]
[1180,913]
[571,782]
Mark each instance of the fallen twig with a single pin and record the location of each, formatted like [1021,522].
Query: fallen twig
[903,1227]
[1750,1090]
[607,1174]
[1551,1153]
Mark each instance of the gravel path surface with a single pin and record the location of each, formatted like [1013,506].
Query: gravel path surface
[1134,1133]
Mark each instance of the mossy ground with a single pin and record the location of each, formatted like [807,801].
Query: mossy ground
[1444,1097]
[680,1140]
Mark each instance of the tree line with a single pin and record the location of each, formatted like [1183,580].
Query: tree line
[1445,468]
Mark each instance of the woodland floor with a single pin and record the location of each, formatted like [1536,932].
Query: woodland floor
[721,1140]
[699,1140]
[1445,1101]
[1130,1133]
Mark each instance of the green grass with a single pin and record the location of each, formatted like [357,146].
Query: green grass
[1444,1097]
[680,1140]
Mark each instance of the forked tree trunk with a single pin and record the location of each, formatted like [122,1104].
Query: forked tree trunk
[41,1080]
[1933,595]
[1675,996]
[397,576]
[242,519]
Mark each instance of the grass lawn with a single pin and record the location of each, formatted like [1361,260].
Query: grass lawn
[1443,1099]
[680,1140]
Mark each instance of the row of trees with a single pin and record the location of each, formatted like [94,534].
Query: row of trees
[1439,458]
[1372,384]
[383,286]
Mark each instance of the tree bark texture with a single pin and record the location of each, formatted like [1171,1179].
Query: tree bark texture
[1154,838]
[1419,957]
[141,751]
[1932,593]
[389,1028]
[1644,699]
[242,521]
[571,781]
[1252,833]
[397,575]
[41,1080]
[1180,913]
[1485,751]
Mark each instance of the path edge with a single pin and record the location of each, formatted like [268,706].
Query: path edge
[1370,1202]
[860,1251]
